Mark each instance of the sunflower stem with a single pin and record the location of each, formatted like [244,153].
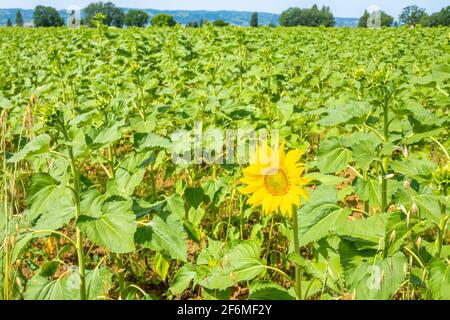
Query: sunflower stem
[298,270]
[385,162]
[269,240]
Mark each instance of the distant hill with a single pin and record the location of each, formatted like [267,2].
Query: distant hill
[240,18]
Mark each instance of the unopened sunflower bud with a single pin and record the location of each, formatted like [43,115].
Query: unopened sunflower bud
[28,117]
[403,209]
[393,236]
[360,74]
[414,208]
[3,117]
[424,273]
[406,184]
[33,99]
[49,246]
[419,244]
[405,151]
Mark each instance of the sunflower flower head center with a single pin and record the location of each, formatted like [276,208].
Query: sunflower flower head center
[277,182]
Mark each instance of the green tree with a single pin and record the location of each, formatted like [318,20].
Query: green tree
[326,17]
[113,16]
[136,18]
[19,19]
[307,17]
[254,20]
[386,20]
[362,23]
[412,15]
[441,18]
[220,23]
[8,23]
[47,17]
[163,20]
[192,24]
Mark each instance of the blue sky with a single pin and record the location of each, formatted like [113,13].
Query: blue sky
[340,8]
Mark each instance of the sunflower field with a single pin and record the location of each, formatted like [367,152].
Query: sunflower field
[92,205]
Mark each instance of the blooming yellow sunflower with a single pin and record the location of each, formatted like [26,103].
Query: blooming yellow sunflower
[274,180]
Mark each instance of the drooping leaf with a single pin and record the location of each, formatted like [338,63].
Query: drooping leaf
[370,229]
[195,216]
[194,196]
[368,276]
[129,174]
[370,190]
[98,283]
[183,277]
[440,279]
[114,229]
[333,156]
[364,153]
[105,136]
[164,233]
[161,263]
[240,263]
[268,290]
[418,169]
[50,204]
[151,140]
[175,204]
[66,287]
[342,112]
[320,215]
[38,145]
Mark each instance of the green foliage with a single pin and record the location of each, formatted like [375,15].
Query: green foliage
[254,20]
[38,145]
[19,19]
[370,277]
[239,263]
[9,23]
[220,23]
[412,15]
[163,20]
[113,16]
[307,17]
[193,24]
[112,227]
[136,18]
[386,20]
[440,279]
[96,208]
[47,17]
[321,215]
[164,233]
[441,18]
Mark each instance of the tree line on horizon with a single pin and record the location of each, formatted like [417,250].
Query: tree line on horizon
[110,15]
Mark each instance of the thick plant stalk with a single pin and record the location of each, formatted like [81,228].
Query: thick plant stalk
[79,240]
[80,250]
[298,271]
[442,227]
[440,236]
[385,163]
